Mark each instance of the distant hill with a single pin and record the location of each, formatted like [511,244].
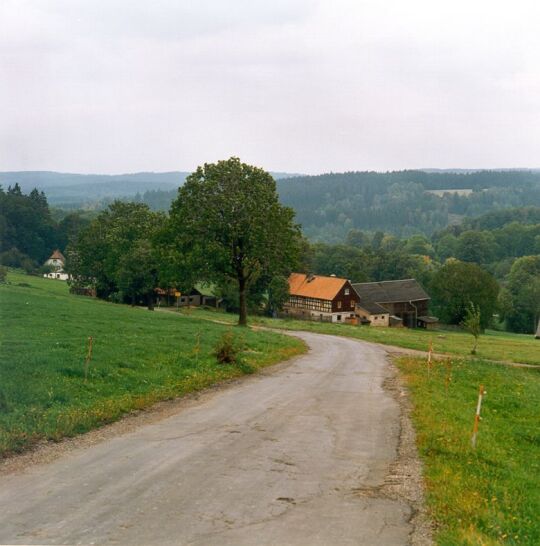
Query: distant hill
[402,203]
[81,189]
[328,206]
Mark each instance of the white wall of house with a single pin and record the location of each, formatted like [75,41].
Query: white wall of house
[57,275]
[54,262]
[308,314]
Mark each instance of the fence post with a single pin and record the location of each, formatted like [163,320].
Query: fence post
[481,393]
[430,353]
[88,357]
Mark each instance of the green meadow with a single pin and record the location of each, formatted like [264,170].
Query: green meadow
[493,345]
[491,494]
[138,357]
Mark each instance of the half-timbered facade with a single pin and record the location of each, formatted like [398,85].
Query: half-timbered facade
[316,297]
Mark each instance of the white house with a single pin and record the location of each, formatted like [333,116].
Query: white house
[56,262]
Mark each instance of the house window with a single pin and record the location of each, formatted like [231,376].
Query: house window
[352,304]
[339,317]
[339,305]
[347,291]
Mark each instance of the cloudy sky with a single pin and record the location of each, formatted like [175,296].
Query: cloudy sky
[110,86]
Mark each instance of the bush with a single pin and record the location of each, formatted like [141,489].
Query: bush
[228,349]
[3,273]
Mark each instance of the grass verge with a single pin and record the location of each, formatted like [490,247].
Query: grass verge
[490,495]
[139,357]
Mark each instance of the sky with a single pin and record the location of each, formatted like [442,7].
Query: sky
[305,86]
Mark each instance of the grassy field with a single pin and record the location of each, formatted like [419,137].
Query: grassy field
[493,345]
[139,357]
[490,495]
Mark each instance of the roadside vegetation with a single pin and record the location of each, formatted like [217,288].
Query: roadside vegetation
[489,495]
[138,357]
[492,345]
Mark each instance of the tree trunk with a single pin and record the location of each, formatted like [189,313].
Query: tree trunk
[133,301]
[242,318]
[150,301]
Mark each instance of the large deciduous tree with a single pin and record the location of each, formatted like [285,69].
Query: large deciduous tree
[227,225]
[456,285]
[523,294]
[115,252]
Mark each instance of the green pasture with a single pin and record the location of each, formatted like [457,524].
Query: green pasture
[138,357]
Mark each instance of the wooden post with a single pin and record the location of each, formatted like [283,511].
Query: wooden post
[430,353]
[88,357]
[448,377]
[197,348]
[481,393]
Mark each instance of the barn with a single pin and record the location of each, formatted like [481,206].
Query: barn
[404,299]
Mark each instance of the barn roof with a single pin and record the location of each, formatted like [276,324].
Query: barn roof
[315,286]
[390,291]
[57,255]
[373,308]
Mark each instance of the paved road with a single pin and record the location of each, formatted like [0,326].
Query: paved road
[274,460]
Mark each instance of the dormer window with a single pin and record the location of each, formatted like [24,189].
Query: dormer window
[347,291]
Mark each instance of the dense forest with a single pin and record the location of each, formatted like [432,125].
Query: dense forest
[28,230]
[402,203]
[502,245]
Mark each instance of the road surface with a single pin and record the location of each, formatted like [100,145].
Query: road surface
[279,459]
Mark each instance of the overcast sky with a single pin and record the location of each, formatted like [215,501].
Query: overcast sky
[110,86]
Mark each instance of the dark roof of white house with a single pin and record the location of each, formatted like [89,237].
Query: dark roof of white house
[390,291]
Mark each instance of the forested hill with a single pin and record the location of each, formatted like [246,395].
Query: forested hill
[403,202]
[95,191]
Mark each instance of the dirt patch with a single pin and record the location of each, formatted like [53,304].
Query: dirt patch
[404,480]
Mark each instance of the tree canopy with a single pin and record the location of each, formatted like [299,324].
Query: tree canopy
[457,285]
[227,224]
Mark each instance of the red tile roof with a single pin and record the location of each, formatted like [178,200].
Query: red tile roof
[57,255]
[315,286]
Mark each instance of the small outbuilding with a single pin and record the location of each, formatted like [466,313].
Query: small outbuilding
[372,313]
[404,299]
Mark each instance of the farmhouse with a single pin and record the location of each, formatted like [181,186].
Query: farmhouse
[56,262]
[315,297]
[384,302]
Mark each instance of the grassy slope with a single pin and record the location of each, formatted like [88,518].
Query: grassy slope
[491,495]
[493,345]
[139,357]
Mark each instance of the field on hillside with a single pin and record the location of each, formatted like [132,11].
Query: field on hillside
[490,495]
[139,357]
[503,346]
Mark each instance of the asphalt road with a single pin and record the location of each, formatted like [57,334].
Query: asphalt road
[278,459]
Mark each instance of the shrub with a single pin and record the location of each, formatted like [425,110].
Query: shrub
[3,273]
[228,349]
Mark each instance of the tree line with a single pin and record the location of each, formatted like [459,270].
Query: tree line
[227,227]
